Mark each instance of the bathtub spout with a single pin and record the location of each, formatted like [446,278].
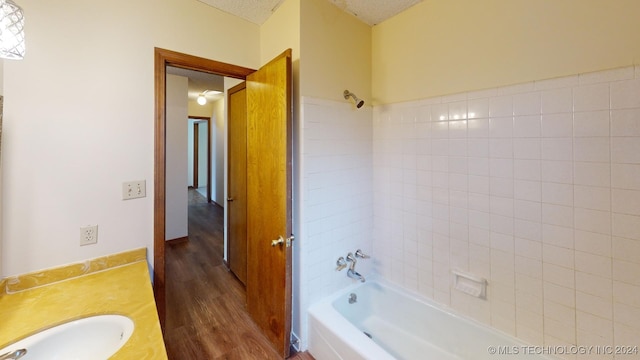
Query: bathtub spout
[353,261]
[355,275]
[352,273]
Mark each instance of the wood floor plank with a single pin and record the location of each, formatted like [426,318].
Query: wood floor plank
[206,304]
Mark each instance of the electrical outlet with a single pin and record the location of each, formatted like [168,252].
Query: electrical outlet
[134,189]
[88,235]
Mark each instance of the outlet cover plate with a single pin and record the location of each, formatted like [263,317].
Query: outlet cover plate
[88,235]
[134,189]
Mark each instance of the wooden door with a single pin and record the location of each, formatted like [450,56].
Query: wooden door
[237,186]
[269,133]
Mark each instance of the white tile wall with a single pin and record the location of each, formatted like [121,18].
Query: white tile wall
[535,187]
[336,194]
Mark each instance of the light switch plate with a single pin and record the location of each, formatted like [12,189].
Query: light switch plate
[134,189]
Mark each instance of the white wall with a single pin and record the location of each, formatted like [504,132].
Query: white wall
[203,140]
[535,187]
[218,140]
[83,65]
[537,190]
[176,220]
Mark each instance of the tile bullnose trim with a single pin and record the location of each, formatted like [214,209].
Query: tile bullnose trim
[13,284]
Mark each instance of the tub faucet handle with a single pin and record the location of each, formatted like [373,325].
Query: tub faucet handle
[341,264]
[362,255]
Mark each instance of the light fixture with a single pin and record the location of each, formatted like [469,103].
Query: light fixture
[202,99]
[12,45]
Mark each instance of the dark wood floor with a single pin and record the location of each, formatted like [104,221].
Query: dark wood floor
[206,317]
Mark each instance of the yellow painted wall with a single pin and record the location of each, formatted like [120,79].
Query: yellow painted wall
[335,50]
[280,32]
[196,109]
[441,47]
[335,46]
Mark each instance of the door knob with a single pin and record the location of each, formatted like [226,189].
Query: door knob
[229,199]
[278,241]
[282,240]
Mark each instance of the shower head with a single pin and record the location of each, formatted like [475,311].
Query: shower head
[359,102]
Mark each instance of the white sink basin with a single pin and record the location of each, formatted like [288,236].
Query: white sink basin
[95,337]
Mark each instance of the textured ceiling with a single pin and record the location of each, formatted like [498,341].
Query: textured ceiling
[256,11]
[374,12]
[369,11]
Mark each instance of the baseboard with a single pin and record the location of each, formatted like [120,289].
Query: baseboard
[179,240]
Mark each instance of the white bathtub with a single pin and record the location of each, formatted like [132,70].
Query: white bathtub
[401,326]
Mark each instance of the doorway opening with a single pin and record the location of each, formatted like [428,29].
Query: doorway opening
[199,151]
[164,58]
[269,202]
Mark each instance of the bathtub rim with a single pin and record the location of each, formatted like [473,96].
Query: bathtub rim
[357,340]
[364,346]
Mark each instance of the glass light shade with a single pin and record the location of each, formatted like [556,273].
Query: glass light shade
[202,100]
[12,45]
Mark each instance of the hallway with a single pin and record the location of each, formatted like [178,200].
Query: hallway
[206,317]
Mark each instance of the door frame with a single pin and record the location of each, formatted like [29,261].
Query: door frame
[230,186]
[162,59]
[196,146]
